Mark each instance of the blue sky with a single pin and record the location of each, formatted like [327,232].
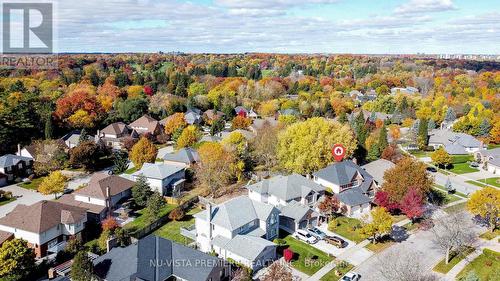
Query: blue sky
[284,26]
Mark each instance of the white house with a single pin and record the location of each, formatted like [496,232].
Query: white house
[46,225]
[167,179]
[294,195]
[351,184]
[240,229]
[454,143]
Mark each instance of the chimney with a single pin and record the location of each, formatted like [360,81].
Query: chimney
[19,149]
[108,199]
[209,219]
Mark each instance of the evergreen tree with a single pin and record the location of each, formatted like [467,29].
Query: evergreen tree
[423,132]
[343,118]
[120,162]
[431,125]
[217,126]
[141,191]
[83,136]
[484,128]
[48,128]
[82,268]
[382,139]
[450,115]
[373,117]
[154,205]
[373,152]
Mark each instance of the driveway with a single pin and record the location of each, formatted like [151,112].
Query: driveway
[458,182]
[481,174]
[24,196]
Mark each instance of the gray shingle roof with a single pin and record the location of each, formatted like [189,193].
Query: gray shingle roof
[446,137]
[353,197]
[286,187]
[169,258]
[158,171]
[342,173]
[246,246]
[295,210]
[237,212]
[455,149]
[8,160]
[377,169]
[184,155]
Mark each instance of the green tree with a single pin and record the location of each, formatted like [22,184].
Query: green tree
[217,126]
[382,139]
[141,191]
[373,152]
[49,128]
[154,205]
[82,268]
[305,147]
[422,134]
[83,136]
[86,155]
[120,162]
[132,109]
[379,225]
[16,259]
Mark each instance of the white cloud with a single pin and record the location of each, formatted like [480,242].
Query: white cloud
[424,6]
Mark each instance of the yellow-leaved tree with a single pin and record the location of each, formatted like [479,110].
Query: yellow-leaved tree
[305,147]
[54,183]
[378,225]
[143,151]
[188,137]
[486,204]
[441,158]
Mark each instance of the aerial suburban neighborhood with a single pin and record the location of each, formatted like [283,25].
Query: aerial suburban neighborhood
[250,140]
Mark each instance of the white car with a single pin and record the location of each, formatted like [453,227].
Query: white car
[305,236]
[351,276]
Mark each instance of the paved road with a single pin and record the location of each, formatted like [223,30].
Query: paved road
[457,182]
[421,242]
[24,196]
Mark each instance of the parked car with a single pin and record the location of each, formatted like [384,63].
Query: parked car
[474,165]
[431,169]
[317,233]
[336,241]
[305,236]
[351,276]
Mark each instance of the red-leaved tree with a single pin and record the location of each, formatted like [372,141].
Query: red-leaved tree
[412,204]
[382,199]
[109,224]
[329,205]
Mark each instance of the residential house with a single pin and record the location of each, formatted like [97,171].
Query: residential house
[157,259]
[370,116]
[146,125]
[101,195]
[212,115]
[240,110]
[351,184]
[184,156]
[46,225]
[15,167]
[246,133]
[114,135]
[294,195]
[252,114]
[72,139]
[239,229]
[454,143]
[407,90]
[258,124]
[210,138]
[490,159]
[378,168]
[193,116]
[167,179]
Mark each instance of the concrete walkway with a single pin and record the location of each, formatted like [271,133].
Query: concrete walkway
[483,244]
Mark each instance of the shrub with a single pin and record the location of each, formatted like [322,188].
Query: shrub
[176,214]
[333,224]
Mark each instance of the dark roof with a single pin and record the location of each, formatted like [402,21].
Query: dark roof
[42,216]
[353,197]
[342,173]
[69,199]
[10,160]
[145,123]
[155,259]
[115,128]
[100,181]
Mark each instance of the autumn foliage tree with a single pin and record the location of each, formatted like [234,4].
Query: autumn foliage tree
[240,122]
[486,204]
[85,155]
[188,137]
[407,173]
[441,158]
[79,108]
[329,205]
[110,224]
[143,151]
[215,168]
[174,123]
[378,225]
[17,260]
[412,204]
[54,183]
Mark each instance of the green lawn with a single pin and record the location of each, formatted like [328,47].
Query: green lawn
[492,146]
[463,158]
[131,171]
[485,266]
[172,231]
[307,258]
[342,268]
[475,183]
[491,181]
[4,201]
[462,168]
[488,235]
[456,208]
[349,228]
[141,221]
[441,197]
[420,154]
[33,184]
[442,267]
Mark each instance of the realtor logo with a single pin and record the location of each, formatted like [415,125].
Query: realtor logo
[28,28]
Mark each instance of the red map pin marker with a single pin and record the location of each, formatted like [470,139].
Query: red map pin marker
[338,152]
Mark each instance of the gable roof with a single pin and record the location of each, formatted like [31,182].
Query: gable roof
[295,210]
[8,160]
[184,155]
[115,128]
[170,259]
[353,197]
[377,169]
[341,173]
[42,216]
[192,117]
[246,246]
[158,171]
[237,212]
[99,182]
[213,114]
[286,187]
[145,123]
[446,137]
